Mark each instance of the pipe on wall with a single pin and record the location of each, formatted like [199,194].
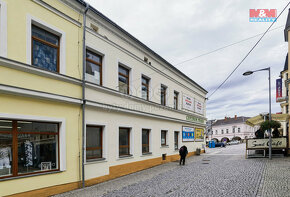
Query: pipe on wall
[83,94]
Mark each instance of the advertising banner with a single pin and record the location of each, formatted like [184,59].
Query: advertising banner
[199,135]
[264,143]
[187,134]
[278,89]
[188,103]
[199,107]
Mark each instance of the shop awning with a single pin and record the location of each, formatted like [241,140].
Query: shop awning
[256,120]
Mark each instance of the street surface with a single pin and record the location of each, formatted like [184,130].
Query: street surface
[219,172]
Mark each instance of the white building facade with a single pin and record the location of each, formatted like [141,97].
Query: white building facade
[229,129]
[137,104]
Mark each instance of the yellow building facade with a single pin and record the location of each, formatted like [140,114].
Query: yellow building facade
[40,105]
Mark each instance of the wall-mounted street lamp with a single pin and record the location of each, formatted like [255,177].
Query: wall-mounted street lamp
[270,132]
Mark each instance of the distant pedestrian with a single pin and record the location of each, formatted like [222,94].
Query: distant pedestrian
[182,152]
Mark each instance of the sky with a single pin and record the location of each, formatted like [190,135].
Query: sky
[181,30]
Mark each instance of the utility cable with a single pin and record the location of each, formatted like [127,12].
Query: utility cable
[226,46]
[248,53]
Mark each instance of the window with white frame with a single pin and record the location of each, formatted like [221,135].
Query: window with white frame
[28,147]
[163,137]
[94,67]
[3,29]
[145,141]
[45,49]
[124,141]
[94,142]
[176,136]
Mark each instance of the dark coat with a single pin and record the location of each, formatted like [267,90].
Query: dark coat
[183,151]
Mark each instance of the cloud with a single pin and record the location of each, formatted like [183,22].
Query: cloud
[179,31]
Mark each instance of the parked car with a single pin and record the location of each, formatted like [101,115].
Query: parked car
[233,142]
[220,144]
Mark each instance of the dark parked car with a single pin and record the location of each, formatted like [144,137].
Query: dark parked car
[220,144]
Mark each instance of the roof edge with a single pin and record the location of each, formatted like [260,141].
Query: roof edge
[139,42]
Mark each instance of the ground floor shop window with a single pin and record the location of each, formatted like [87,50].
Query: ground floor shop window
[94,142]
[145,140]
[28,147]
[124,141]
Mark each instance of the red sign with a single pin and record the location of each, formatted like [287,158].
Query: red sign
[263,13]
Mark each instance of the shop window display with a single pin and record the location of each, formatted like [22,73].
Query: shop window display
[34,146]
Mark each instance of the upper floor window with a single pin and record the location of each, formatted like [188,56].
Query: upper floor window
[222,131]
[123,80]
[234,129]
[94,142]
[216,132]
[94,67]
[163,95]
[45,49]
[239,130]
[145,88]
[227,130]
[175,100]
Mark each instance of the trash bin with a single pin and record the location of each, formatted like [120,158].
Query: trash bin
[209,144]
[212,144]
[198,151]
[163,156]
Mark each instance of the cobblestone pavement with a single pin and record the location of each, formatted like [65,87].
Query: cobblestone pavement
[219,172]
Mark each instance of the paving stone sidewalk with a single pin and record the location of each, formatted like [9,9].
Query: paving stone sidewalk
[220,172]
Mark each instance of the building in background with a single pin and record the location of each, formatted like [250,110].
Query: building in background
[128,118]
[209,131]
[229,129]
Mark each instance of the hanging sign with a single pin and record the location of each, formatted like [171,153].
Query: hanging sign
[198,107]
[188,103]
[278,89]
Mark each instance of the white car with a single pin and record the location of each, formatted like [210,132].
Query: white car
[233,142]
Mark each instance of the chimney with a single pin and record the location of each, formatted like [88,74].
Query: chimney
[235,117]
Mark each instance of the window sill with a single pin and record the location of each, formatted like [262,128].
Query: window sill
[125,157]
[92,161]
[164,146]
[146,154]
[30,175]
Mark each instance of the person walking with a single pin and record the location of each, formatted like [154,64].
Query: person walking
[182,152]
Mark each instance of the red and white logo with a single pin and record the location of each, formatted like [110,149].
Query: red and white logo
[263,15]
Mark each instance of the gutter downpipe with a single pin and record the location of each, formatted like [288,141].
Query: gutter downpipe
[83,94]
